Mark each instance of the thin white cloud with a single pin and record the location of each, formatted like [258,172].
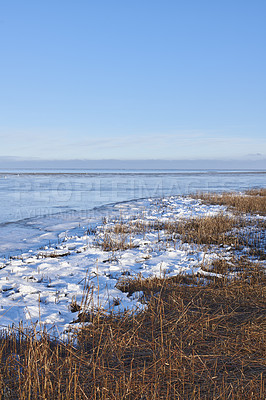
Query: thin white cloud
[174,145]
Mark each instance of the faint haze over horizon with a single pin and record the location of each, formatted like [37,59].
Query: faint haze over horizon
[250,163]
[175,81]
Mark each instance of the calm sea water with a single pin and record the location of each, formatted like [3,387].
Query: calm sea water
[36,205]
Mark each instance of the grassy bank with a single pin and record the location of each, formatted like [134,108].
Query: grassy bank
[200,336]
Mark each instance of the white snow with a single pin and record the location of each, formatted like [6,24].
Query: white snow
[39,286]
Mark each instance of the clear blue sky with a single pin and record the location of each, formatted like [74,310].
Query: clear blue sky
[135,79]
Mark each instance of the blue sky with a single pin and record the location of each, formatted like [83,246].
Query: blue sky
[133,79]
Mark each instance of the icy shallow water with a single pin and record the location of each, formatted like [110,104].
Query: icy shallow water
[37,206]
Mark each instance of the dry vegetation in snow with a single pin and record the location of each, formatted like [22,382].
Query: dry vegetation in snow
[200,337]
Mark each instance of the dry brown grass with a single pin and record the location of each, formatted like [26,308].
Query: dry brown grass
[253,233]
[257,192]
[253,201]
[113,242]
[210,230]
[199,230]
[222,230]
[194,341]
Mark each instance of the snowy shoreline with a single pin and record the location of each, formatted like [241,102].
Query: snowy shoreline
[37,205]
[41,286]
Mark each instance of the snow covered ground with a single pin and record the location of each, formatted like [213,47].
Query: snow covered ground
[43,286]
